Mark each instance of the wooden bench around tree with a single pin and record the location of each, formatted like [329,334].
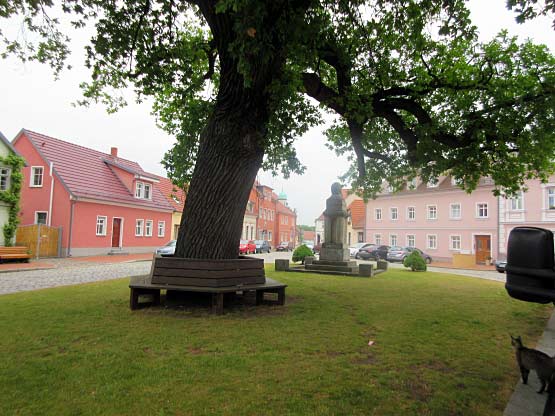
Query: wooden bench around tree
[14,253]
[142,287]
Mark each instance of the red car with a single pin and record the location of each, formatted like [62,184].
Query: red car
[246,247]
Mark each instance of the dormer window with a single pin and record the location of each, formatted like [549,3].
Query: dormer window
[143,190]
[433,183]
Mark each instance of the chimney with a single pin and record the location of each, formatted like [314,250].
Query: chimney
[114,151]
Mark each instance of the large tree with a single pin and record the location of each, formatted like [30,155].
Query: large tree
[414,92]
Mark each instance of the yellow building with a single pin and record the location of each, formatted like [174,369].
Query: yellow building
[176,196]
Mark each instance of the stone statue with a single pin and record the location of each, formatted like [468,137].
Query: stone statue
[334,247]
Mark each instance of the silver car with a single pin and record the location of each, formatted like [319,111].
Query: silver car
[399,253]
[168,249]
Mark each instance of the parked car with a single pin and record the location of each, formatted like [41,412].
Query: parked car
[284,246]
[398,253]
[373,252]
[168,249]
[500,265]
[246,247]
[262,246]
[353,250]
[310,246]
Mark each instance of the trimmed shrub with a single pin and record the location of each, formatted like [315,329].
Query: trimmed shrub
[300,253]
[415,262]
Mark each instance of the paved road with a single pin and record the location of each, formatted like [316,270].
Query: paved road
[72,274]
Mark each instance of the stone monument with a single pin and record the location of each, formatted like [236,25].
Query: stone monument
[334,247]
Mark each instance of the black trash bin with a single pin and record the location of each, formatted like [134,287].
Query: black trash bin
[530,265]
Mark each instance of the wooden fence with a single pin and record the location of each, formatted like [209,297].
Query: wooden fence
[40,239]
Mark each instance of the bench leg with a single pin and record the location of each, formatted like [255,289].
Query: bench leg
[281,296]
[218,303]
[133,299]
[136,292]
[259,297]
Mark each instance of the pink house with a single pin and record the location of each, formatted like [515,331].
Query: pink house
[103,203]
[441,219]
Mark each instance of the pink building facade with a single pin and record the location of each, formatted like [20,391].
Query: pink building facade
[102,203]
[441,219]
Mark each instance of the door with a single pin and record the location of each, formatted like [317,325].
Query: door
[483,248]
[116,232]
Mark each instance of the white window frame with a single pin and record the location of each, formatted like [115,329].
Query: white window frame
[103,223]
[139,189]
[45,220]
[478,210]
[451,216]
[432,183]
[378,239]
[516,199]
[162,229]
[378,214]
[550,190]
[452,239]
[413,218]
[32,179]
[7,176]
[142,225]
[413,240]
[411,185]
[148,229]
[456,181]
[394,210]
[391,237]
[428,216]
[149,186]
[428,246]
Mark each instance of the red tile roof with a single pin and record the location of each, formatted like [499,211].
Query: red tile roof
[175,195]
[309,235]
[86,173]
[357,213]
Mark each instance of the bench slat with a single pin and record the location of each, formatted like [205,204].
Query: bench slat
[190,281]
[207,274]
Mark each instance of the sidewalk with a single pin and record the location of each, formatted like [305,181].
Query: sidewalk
[55,263]
[524,400]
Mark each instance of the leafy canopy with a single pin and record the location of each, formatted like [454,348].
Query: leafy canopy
[412,90]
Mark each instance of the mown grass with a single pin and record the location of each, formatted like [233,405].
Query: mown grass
[441,347]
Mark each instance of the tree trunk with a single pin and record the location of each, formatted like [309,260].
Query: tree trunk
[229,157]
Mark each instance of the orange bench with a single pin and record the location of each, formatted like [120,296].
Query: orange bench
[14,253]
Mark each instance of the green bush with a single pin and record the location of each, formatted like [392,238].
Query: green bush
[415,262]
[301,252]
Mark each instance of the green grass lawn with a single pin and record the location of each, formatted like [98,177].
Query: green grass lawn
[442,347]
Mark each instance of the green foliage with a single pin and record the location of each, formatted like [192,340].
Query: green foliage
[11,196]
[415,262]
[307,227]
[413,90]
[301,252]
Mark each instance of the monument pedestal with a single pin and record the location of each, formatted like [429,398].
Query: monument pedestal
[334,258]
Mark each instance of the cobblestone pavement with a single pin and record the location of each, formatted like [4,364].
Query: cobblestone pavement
[12,282]
[72,273]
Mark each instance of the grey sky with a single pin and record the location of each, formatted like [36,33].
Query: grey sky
[30,98]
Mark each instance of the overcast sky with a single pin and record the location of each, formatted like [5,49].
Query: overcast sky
[31,99]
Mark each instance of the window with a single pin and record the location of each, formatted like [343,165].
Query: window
[551,198]
[393,239]
[101,222]
[411,184]
[360,236]
[433,183]
[36,176]
[162,229]
[431,241]
[411,240]
[250,206]
[456,181]
[4,179]
[517,202]
[260,212]
[455,242]
[40,217]
[432,212]
[482,210]
[394,214]
[270,235]
[411,213]
[455,211]
[139,228]
[378,239]
[389,188]
[378,213]
[147,193]
[148,228]
[143,190]
[138,190]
